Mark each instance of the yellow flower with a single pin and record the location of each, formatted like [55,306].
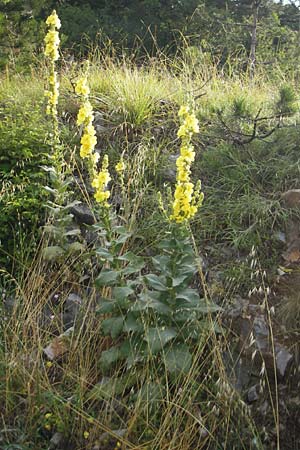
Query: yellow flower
[192,123]
[86,434]
[187,152]
[95,158]
[82,87]
[88,141]
[100,183]
[48,415]
[120,166]
[183,111]
[187,198]
[102,179]
[101,197]
[53,20]
[52,43]
[85,113]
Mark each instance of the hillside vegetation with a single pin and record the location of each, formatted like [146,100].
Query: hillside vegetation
[140,308]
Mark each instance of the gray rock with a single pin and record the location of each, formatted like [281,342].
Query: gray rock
[253,393]
[260,327]
[10,303]
[71,310]
[283,360]
[83,214]
[56,441]
[169,172]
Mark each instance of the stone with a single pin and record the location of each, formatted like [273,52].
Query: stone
[292,254]
[169,172]
[291,198]
[71,310]
[59,345]
[253,393]
[83,214]
[56,441]
[10,303]
[283,360]
[260,327]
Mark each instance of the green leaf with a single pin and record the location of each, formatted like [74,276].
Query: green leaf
[75,247]
[52,252]
[132,324]
[150,392]
[189,295]
[119,229]
[134,350]
[119,293]
[151,300]
[156,282]
[136,263]
[161,262]
[168,244]
[107,277]
[109,357]
[122,239]
[178,281]
[110,387]
[178,359]
[157,338]
[106,306]
[112,326]
[104,254]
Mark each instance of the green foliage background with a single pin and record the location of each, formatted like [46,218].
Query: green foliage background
[219,27]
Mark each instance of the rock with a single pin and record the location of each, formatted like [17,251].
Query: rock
[260,327]
[292,254]
[10,303]
[291,198]
[59,346]
[71,310]
[56,441]
[169,172]
[283,360]
[117,433]
[253,393]
[83,214]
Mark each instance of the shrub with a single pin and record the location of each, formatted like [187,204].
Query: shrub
[23,150]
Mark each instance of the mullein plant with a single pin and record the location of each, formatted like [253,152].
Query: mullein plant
[52,53]
[85,118]
[156,316]
[187,197]
[61,218]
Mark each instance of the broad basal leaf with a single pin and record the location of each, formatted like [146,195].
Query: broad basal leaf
[113,326]
[178,359]
[157,338]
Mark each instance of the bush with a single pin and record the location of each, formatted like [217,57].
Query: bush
[23,150]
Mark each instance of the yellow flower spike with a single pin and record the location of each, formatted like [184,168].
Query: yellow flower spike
[51,51]
[187,198]
[100,183]
[53,20]
[85,113]
[82,87]
[183,111]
